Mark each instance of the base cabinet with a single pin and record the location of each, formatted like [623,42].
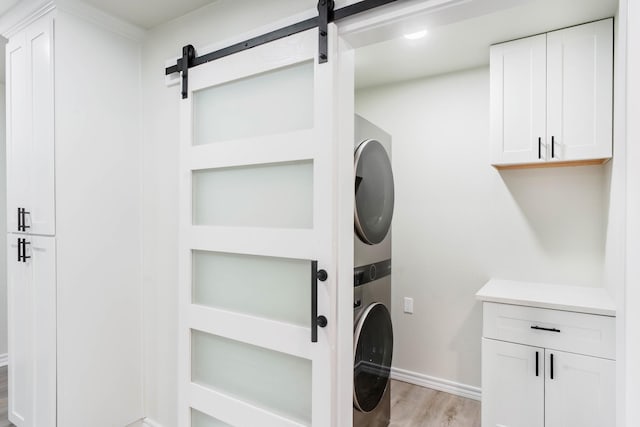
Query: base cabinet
[525,386]
[581,392]
[31,292]
[548,355]
[512,385]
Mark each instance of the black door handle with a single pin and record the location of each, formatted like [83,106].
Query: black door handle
[315,319]
[553,147]
[537,363]
[551,370]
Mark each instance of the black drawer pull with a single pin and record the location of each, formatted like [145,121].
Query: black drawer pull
[537,364]
[540,328]
[551,358]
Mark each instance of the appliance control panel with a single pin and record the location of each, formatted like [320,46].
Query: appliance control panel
[369,273]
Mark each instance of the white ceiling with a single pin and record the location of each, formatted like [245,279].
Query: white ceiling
[461,45]
[4,6]
[465,44]
[147,13]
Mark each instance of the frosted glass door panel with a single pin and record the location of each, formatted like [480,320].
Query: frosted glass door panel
[278,101]
[274,288]
[198,419]
[278,382]
[273,195]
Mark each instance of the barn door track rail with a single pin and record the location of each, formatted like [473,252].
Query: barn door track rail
[326,15]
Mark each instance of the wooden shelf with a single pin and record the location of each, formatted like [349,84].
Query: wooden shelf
[590,162]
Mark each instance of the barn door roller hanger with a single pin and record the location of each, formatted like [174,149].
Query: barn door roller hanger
[326,14]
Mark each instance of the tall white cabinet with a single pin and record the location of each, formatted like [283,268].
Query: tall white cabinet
[73,219]
[552,98]
[548,356]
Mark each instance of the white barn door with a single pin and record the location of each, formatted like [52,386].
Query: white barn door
[258,210]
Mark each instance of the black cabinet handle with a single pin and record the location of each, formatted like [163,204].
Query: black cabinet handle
[22,250]
[315,319]
[540,328]
[553,147]
[22,223]
[551,365]
[539,148]
[537,363]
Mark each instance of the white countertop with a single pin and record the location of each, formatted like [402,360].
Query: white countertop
[542,295]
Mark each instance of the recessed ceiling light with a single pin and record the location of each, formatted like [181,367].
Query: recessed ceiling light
[415,36]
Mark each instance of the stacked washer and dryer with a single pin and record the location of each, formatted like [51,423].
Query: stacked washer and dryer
[373,332]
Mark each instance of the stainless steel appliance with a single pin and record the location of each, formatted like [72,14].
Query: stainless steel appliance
[373,331]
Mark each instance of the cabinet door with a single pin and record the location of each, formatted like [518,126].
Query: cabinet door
[32,331]
[18,123]
[30,128]
[581,391]
[512,385]
[518,87]
[580,91]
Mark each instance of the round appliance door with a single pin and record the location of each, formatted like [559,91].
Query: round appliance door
[373,350]
[374,192]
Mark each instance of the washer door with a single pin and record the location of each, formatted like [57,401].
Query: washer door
[373,350]
[374,192]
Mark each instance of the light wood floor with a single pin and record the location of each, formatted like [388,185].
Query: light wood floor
[411,406]
[4,417]
[414,406]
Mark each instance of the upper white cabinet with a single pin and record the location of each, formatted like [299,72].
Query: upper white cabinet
[551,98]
[30,130]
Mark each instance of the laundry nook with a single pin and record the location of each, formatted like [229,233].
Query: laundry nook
[320,213]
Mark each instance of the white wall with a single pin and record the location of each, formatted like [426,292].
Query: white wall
[3,221]
[632,297]
[459,222]
[615,254]
[211,24]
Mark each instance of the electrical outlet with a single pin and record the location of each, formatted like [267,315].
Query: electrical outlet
[408,305]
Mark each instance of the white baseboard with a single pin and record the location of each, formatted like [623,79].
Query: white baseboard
[148,422]
[440,384]
[4,359]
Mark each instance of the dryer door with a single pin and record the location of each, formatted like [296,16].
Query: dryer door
[374,192]
[373,350]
